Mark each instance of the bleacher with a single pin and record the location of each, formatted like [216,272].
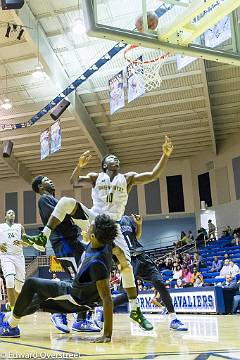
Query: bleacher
[215,248]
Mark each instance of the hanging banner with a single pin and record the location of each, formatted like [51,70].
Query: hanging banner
[116,92]
[44,144]
[55,265]
[56,137]
[135,80]
[218,33]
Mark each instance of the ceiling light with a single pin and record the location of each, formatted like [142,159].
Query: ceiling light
[78,27]
[7,104]
[38,72]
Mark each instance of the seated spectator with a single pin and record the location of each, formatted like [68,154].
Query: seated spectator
[226,256]
[234,269]
[179,284]
[187,260]
[236,239]
[187,276]
[211,231]
[183,240]
[216,264]
[115,280]
[190,236]
[177,274]
[229,282]
[196,260]
[198,281]
[227,231]
[236,299]
[169,264]
[140,285]
[201,236]
[226,269]
[196,274]
[161,265]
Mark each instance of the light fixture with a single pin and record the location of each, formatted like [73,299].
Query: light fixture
[7,104]
[20,34]
[38,73]
[78,27]
[8,31]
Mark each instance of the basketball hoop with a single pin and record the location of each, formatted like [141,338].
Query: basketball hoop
[144,61]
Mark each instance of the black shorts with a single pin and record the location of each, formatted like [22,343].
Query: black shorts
[144,268]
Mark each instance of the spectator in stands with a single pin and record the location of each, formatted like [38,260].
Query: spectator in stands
[216,264]
[190,236]
[198,281]
[226,256]
[140,285]
[226,269]
[236,239]
[178,258]
[187,276]
[196,260]
[227,231]
[183,240]
[179,284]
[234,269]
[196,276]
[115,280]
[177,274]
[161,265]
[187,260]
[229,282]
[211,231]
[169,264]
[236,299]
[200,239]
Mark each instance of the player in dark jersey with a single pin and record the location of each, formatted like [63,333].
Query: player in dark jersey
[89,287]
[144,268]
[67,246]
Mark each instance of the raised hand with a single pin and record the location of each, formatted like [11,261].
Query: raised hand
[137,219]
[167,147]
[84,159]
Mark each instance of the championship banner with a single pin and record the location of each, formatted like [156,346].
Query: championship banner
[55,265]
[44,144]
[56,137]
[135,80]
[116,92]
[218,33]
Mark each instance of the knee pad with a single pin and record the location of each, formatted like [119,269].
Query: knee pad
[10,281]
[18,285]
[127,276]
[65,206]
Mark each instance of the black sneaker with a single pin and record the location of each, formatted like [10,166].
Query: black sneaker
[137,315]
[38,241]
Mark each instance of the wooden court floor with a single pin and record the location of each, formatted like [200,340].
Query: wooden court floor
[209,337]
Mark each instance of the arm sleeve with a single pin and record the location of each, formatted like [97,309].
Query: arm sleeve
[98,271]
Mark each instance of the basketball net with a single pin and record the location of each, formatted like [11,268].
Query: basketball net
[145,61]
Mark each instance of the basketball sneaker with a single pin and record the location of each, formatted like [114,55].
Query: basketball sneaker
[60,322]
[98,317]
[85,326]
[177,325]
[8,332]
[137,315]
[38,241]
[2,316]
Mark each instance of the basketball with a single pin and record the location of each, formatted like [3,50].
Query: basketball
[152,21]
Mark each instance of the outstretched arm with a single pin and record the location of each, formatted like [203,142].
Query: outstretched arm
[138,222]
[105,294]
[146,177]
[89,178]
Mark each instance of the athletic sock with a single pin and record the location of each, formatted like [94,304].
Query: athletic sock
[172,316]
[47,232]
[13,321]
[133,304]
[7,315]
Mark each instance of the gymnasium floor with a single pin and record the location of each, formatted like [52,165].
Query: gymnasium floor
[209,337]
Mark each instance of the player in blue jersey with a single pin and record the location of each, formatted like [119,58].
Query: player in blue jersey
[89,287]
[67,246]
[144,268]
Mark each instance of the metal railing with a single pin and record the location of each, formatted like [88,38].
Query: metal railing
[34,265]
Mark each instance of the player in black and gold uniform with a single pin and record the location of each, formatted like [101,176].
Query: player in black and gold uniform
[90,286]
[144,268]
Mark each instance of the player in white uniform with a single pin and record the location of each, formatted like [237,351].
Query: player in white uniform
[11,256]
[109,195]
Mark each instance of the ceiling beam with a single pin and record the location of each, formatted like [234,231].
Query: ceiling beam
[17,167]
[208,104]
[55,71]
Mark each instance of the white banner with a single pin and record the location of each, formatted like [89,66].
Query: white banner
[195,301]
[218,33]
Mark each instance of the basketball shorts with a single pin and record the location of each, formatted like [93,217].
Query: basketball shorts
[13,265]
[119,240]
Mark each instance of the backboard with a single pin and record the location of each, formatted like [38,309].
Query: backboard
[207,29]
